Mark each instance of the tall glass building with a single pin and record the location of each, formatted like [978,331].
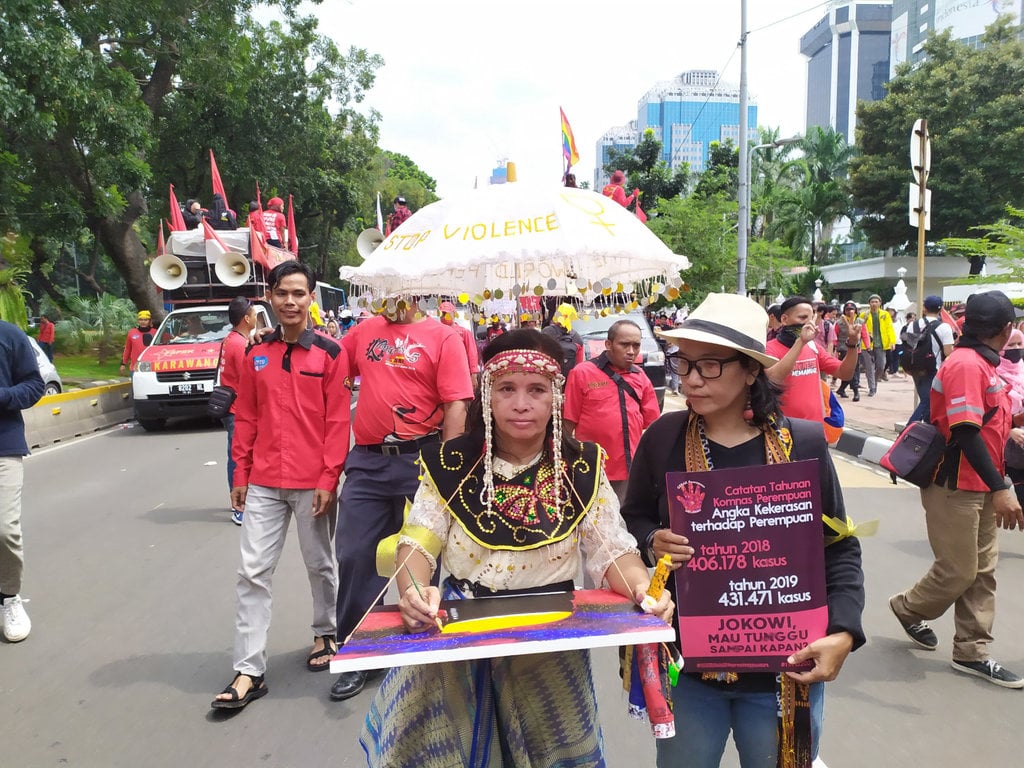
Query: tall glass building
[914,20]
[686,113]
[847,61]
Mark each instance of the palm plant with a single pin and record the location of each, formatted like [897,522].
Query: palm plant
[108,314]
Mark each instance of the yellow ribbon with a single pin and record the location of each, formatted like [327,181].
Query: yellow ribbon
[846,528]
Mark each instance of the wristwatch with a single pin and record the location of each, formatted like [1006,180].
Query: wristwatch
[649,547]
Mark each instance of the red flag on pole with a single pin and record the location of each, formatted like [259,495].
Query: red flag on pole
[177,220]
[293,239]
[255,221]
[640,213]
[161,245]
[258,250]
[214,245]
[218,185]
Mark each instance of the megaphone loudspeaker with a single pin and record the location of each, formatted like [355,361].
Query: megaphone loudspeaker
[168,272]
[368,241]
[233,269]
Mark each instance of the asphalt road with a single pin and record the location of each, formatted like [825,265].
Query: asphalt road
[131,564]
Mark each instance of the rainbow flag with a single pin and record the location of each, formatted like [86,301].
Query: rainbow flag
[569,151]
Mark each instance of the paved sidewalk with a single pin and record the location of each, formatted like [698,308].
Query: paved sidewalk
[874,422]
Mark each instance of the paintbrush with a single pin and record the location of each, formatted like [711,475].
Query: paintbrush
[416,586]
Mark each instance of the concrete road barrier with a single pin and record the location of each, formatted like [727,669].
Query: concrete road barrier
[61,417]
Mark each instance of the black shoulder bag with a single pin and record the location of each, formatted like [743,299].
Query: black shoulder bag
[602,363]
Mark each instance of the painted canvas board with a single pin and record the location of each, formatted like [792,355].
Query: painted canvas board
[599,618]
[754,591]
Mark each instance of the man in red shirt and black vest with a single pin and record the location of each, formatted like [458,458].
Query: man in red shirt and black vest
[289,447]
[610,401]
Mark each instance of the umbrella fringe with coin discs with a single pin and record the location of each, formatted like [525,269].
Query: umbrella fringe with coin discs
[517,241]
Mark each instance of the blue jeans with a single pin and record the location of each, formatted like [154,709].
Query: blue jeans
[229,424]
[923,385]
[705,715]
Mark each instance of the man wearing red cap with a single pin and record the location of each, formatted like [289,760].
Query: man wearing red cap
[610,401]
[616,191]
[274,223]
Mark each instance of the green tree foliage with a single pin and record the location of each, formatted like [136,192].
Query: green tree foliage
[774,174]
[402,168]
[646,171]
[702,230]
[804,212]
[133,95]
[722,175]
[13,271]
[973,99]
[109,315]
[1002,242]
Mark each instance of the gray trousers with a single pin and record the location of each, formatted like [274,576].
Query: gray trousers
[264,528]
[12,559]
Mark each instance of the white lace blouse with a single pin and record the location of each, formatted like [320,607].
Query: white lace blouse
[600,537]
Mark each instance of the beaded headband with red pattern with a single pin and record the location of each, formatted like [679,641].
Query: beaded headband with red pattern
[522,361]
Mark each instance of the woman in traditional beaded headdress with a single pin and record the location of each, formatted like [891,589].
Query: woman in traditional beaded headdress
[733,421]
[509,508]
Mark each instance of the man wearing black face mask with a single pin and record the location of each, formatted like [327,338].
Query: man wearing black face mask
[802,361]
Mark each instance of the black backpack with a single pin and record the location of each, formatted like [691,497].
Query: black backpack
[568,342]
[918,354]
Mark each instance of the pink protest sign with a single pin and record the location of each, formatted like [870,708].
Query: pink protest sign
[754,591]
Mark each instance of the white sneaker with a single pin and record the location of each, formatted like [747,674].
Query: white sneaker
[16,622]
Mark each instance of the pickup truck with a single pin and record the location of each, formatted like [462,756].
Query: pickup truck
[175,374]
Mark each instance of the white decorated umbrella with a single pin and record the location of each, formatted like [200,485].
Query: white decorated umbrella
[514,239]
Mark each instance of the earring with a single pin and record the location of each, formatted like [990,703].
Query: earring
[748,412]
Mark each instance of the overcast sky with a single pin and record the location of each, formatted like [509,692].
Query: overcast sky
[466,83]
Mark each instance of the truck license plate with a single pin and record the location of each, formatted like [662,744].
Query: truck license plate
[186,389]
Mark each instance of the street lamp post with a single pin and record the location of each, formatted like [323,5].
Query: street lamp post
[744,212]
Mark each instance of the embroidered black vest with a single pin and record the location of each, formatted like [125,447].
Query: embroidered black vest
[524,512]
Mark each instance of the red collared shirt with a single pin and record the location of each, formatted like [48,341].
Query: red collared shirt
[965,389]
[292,414]
[592,403]
[232,358]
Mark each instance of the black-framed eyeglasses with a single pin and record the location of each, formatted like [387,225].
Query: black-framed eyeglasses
[707,367]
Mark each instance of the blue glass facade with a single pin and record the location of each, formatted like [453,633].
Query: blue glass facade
[686,115]
[686,128]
